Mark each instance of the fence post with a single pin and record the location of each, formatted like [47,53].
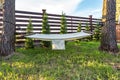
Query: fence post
[43,11]
[91,25]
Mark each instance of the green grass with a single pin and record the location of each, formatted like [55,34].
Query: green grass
[77,62]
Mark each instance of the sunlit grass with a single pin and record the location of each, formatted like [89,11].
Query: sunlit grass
[80,61]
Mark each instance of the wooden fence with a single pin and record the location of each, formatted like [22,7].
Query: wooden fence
[54,20]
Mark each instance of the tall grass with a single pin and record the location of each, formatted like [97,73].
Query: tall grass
[77,62]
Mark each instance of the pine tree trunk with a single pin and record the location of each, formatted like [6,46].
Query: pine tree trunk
[108,40]
[7,42]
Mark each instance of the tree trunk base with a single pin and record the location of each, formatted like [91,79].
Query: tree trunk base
[6,57]
[109,49]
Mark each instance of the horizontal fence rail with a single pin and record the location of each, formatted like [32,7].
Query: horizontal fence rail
[54,20]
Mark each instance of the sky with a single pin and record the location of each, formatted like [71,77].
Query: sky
[82,8]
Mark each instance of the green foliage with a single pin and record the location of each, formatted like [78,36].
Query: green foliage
[82,62]
[63,29]
[45,30]
[29,43]
[45,25]
[79,28]
[87,28]
[97,33]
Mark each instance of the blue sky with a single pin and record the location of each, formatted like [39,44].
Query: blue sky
[70,7]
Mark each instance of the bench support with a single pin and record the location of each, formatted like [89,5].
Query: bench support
[58,44]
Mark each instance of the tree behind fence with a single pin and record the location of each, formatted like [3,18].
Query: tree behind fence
[54,20]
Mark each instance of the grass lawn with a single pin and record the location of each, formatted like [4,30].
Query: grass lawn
[77,62]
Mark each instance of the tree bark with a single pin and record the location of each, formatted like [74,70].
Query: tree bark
[7,41]
[108,40]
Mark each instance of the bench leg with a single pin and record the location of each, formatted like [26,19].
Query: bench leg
[58,44]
